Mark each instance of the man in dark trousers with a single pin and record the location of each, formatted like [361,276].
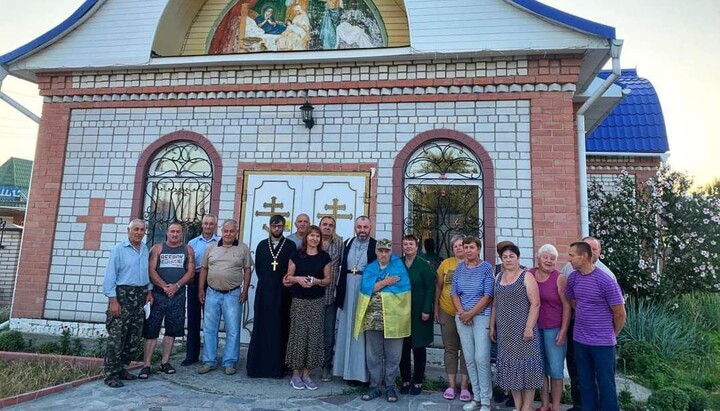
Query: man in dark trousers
[266,354]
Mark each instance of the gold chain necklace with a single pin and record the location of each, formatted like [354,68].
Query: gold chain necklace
[274,263]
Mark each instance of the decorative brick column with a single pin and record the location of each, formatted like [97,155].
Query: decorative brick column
[556,202]
[41,219]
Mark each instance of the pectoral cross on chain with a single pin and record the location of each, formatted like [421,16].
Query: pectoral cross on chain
[274,265]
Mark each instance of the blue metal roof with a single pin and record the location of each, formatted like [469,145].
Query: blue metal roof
[50,35]
[566,19]
[636,125]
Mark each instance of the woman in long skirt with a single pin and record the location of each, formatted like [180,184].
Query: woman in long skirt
[308,275]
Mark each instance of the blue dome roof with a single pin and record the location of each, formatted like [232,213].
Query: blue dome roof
[636,125]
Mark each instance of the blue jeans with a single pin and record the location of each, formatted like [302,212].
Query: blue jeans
[475,342]
[228,306]
[553,355]
[596,372]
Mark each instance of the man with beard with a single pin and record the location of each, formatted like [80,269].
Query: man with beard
[349,360]
[266,354]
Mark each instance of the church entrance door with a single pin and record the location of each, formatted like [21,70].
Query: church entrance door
[341,195]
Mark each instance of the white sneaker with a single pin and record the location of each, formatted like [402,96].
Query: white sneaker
[472,406]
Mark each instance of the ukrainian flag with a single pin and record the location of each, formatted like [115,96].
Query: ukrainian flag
[396,298]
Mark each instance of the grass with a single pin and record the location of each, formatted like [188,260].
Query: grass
[18,377]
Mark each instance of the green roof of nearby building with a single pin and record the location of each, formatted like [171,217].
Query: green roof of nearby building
[14,175]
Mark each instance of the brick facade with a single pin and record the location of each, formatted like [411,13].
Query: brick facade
[99,135]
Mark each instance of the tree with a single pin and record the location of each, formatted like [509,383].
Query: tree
[659,237]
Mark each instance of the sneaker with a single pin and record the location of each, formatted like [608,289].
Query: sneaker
[485,408]
[204,369]
[297,383]
[326,376]
[472,406]
[309,383]
[230,370]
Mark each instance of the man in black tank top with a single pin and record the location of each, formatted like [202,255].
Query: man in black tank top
[172,266]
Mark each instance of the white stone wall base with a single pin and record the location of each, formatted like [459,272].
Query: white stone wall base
[52,327]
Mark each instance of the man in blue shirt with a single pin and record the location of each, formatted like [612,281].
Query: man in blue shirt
[199,244]
[127,285]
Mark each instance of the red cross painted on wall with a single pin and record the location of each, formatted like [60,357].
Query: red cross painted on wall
[94,221]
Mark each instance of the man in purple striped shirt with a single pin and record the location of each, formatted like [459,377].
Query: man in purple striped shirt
[599,318]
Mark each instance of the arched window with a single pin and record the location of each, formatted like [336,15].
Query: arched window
[178,187]
[443,188]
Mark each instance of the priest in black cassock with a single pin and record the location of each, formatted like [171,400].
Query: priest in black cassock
[266,354]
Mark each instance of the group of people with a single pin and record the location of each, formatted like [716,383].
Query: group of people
[357,311]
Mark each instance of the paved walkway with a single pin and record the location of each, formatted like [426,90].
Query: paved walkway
[187,390]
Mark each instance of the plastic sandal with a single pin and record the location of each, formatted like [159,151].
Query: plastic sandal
[167,368]
[391,395]
[144,373]
[449,394]
[114,382]
[371,394]
[126,376]
[465,396]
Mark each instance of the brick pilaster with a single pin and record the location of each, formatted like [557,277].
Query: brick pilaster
[41,219]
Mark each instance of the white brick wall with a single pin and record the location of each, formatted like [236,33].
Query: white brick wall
[8,264]
[105,145]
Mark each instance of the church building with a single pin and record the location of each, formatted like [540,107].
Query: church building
[431,117]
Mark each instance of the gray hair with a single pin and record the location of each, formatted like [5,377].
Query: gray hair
[136,221]
[456,238]
[548,248]
[230,222]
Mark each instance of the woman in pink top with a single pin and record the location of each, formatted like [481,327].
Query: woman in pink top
[553,323]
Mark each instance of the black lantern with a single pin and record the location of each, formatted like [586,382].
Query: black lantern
[306,109]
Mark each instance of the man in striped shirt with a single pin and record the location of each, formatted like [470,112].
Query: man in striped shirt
[599,318]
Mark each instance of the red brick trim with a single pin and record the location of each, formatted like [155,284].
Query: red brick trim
[488,185]
[93,223]
[555,185]
[149,153]
[336,167]
[42,210]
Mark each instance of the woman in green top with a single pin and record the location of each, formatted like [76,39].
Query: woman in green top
[422,284]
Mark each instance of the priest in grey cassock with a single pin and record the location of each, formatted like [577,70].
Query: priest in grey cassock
[268,343]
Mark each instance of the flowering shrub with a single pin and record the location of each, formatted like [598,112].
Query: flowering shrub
[659,237]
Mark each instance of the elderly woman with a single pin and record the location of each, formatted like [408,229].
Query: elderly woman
[422,285]
[383,313]
[553,322]
[513,323]
[445,316]
[472,295]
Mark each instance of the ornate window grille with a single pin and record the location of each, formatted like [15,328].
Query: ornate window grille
[443,183]
[178,187]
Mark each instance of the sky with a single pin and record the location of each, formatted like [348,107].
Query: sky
[673,44]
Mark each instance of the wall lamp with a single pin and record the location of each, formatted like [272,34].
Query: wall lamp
[306,110]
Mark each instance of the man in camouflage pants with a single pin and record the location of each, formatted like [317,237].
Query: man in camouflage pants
[127,285]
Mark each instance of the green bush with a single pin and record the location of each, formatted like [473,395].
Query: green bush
[49,347]
[628,403]
[669,399]
[638,357]
[674,336]
[12,341]
[699,400]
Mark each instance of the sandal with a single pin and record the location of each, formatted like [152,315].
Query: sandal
[371,394]
[145,373]
[416,389]
[113,382]
[391,395]
[125,375]
[167,368]
[465,396]
[405,388]
[449,394]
